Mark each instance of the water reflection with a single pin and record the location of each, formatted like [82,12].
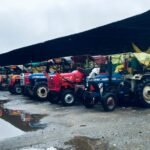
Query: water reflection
[22,120]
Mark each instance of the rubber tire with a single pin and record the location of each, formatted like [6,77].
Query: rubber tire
[87,100]
[63,95]
[30,92]
[11,90]
[140,97]
[25,91]
[105,101]
[79,95]
[35,91]
[15,89]
[53,97]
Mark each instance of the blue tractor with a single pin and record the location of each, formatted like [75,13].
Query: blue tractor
[37,87]
[100,90]
[112,88]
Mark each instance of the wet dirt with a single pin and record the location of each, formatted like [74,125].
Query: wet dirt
[20,119]
[86,143]
[126,128]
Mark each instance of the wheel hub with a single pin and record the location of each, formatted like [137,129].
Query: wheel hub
[18,90]
[111,102]
[42,92]
[69,98]
[146,93]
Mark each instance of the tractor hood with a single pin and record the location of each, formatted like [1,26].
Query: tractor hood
[105,77]
[37,75]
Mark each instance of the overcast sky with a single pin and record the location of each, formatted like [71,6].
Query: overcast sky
[26,22]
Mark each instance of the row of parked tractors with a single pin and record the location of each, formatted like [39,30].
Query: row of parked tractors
[108,89]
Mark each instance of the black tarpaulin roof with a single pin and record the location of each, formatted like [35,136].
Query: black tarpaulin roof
[113,38]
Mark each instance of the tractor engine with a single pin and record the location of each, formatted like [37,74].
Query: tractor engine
[65,80]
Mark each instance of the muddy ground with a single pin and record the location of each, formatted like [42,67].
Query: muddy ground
[43,126]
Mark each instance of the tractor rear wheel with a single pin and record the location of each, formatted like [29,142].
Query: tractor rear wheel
[144,93]
[25,91]
[11,90]
[109,101]
[40,91]
[87,100]
[67,97]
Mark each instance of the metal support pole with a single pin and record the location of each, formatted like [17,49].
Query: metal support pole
[110,69]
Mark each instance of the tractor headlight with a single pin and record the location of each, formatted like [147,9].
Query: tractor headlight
[87,84]
[100,85]
[97,79]
[101,79]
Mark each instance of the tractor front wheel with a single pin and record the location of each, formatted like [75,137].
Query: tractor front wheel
[67,97]
[109,101]
[11,90]
[88,100]
[17,89]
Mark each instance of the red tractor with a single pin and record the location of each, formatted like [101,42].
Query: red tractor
[64,87]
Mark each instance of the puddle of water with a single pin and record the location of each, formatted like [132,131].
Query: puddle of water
[20,119]
[86,143]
